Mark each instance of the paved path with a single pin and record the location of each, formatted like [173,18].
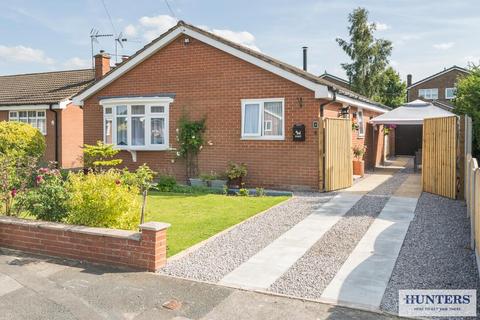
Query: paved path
[363,278]
[35,287]
[269,264]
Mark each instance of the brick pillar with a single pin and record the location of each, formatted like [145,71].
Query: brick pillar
[154,242]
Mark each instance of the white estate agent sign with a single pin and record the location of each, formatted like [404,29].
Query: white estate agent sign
[439,303]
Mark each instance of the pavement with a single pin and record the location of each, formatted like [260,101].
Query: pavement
[39,287]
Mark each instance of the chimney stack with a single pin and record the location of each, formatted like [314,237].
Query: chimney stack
[304,58]
[102,64]
[409,80]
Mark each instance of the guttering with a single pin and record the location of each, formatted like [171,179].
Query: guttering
[357,103]
[55,110]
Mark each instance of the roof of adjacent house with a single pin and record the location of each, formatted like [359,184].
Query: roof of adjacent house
[43,88]
[411,113]
[264,58]
[454,67]
[327,75]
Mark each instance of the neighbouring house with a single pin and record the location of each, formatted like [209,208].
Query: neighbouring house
[336,80]
[251,103]
[438,89]
[407,119]
[44,101]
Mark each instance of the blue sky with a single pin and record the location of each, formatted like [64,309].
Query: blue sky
[427,35]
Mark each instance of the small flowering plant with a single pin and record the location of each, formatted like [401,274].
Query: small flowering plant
[359,151]
[388,128]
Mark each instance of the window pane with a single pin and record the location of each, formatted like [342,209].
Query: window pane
[159,109]
[138,131]
[108,110]
[272,114]
[361,128]
[41,125]
[122,110]
[13,115]
[158,131]
[23,114]
[121,131]
[32,114]
[138,109]
[108,131]
[252,117]
[32,122]
[40,114]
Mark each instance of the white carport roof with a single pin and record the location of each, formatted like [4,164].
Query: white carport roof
[411,113]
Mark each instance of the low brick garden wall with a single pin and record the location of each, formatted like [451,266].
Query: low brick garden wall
[144,250]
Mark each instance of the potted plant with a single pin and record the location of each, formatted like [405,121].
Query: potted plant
[358,163]
[207,178]
[235,174]
[218,180]
[197,182]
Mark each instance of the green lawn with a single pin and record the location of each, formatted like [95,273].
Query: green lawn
[196,217]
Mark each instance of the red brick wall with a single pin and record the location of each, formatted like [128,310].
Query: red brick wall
[144,251]
[71,137]
[208,82]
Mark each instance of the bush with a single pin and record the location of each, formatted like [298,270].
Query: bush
[19,140]
[102,200]
[48,200]
[100,156]
[236,171]
[166,183]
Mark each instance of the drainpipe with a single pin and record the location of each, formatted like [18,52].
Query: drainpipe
[56,132]
[322,110]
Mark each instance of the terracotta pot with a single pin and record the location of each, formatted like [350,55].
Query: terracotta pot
[358,167]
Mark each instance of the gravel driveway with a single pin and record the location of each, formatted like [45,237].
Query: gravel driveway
[219,256]
[436,252]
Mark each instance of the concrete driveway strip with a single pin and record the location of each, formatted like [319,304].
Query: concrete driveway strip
[363,278]
[269,264]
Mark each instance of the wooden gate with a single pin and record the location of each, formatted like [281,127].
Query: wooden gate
[439,162]
[338,153]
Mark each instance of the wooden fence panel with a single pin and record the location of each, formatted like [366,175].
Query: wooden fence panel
[439,156]
[338,154]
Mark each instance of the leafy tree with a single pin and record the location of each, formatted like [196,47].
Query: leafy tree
[468,102]
[369,55]
[392,91]
[100,156]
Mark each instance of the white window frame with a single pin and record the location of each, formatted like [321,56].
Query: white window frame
[17,117]
[452,96]
[428,93]
[360,123]
[261,135]
[129,102]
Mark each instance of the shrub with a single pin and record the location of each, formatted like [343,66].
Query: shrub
[20,140]
[243,192]
[48,200]
[100,156]
[260,192]
[190,140]
[102,200]
[166,183]
[236,171]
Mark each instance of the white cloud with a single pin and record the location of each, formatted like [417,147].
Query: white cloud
[24,54]
[443,46]
[77,63]
[382,26]
[130,31]
[152,27]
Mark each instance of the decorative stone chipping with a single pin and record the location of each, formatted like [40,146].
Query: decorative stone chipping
[144,250]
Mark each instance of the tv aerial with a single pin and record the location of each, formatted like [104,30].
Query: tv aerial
[94,36]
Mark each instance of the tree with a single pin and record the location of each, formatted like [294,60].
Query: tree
[468,102]
[392,91]
[369,55]
[100,156]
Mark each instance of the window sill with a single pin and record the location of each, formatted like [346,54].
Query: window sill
[263,138]
[132,148]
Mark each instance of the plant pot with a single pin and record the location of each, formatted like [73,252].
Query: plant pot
[235,183]
[359,167]
[197,182]
[218,184]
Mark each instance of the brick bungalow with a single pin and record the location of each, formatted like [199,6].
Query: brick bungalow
[44,101]
[251,103]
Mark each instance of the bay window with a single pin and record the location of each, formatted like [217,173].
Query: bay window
[37,119]
[263,119]
[136,124]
